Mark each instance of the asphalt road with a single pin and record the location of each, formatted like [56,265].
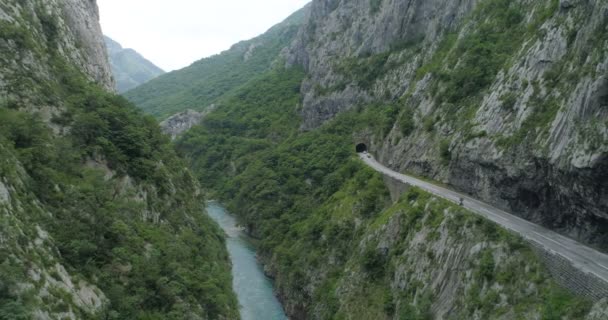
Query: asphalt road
[582,257]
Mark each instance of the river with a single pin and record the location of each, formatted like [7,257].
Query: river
[252,287]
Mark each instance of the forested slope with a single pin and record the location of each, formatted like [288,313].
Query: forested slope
[99,219]
[201,84]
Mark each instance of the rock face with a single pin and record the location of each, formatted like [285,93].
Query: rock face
[130,68]
[182,122]
[529,135]
[72,27]
[82,19]
[362,28]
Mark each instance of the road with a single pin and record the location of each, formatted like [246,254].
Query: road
[581,256]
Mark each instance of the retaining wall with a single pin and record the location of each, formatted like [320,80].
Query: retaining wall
[567,275]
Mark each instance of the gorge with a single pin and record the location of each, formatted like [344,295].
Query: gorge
[299,134]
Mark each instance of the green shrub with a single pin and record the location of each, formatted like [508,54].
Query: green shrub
[22,38]
[374,263]
[13,310]
[374,6]
[412,194]
[559,305]
[444,151]
[406,123]
[49,26]
[429,123]
[508,100]
[389,303]
[486,265]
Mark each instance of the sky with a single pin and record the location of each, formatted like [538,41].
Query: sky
[173,34]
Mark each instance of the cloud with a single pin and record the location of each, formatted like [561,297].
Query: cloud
[173,34]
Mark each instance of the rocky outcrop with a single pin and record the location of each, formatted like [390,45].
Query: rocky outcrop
[532,139]
[182,122]
[358,29]
[33,251]
[424,256]
[69,29]
[82,22]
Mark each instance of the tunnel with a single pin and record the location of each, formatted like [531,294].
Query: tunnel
[361,147]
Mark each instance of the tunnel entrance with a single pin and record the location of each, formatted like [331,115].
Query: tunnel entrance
[361,147]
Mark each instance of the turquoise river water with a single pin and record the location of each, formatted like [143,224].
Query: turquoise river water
[252,287]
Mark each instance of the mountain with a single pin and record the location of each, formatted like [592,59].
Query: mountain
[99,218]
[130,69]
[502,100]
[516,120]
[201,84]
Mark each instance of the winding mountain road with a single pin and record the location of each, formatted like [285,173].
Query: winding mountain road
[582,257]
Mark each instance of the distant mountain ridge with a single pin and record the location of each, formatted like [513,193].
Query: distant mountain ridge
[130,68]
[204,82]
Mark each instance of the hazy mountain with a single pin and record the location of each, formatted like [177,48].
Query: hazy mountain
[198,86]
[130,68]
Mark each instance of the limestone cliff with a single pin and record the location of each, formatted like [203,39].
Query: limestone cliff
[28,29]
[505,100]
[71,26]
[183,121]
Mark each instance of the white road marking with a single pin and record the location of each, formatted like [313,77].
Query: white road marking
[547,238]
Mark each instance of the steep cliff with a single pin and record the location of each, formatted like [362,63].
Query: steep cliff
[130,69]
[98,216]
[505,100]
[71,27]
[182,122]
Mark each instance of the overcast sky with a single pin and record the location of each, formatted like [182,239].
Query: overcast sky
[173,34]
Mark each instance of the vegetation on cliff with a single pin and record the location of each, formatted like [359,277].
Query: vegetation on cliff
[99,217]
[329,233]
